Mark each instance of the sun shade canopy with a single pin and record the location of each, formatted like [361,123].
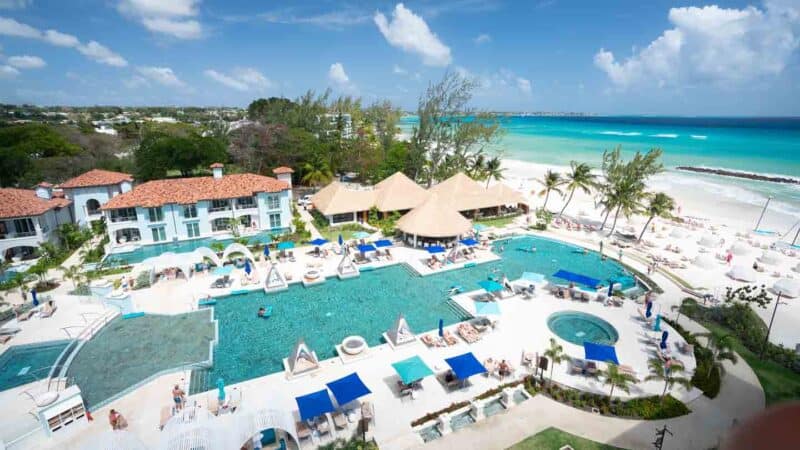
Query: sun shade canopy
[285,245]
[366,248]
[412,369]
[319,241]
[348,388]
[577,278]
[469,242]
[465,366]
[435,249]
[314,404]
[383,243]
[490,285]
[222,271]
[600,352]
[486,308]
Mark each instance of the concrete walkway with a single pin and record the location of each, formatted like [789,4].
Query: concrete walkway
[309,221]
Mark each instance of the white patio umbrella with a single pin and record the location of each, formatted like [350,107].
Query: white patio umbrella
[710,241]
[787,287]
[770,257]
[705,261]
[742,273]
[739,248]
[678,233]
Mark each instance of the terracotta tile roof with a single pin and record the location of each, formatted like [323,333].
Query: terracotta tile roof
[191,190]
[24,202]
[96,177]
[281,170]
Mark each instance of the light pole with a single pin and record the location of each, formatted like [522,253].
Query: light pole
[762,212]
[769,328]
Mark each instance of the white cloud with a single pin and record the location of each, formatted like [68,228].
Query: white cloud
[524,85]
[711,44]
[15,4]
[482,38]
[337,75]
[60,39]
[241,79]
[174,17]
[93,50]
[8,72]
[161,75]
[333,19]
[135,81]
[102,54]
[399,70]
[26,62]
[410,33]
[10,27]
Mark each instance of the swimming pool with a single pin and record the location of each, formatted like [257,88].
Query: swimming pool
[147,251]
[367,306]
[23,364]
[579,327]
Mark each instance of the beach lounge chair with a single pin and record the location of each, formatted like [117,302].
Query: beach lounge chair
[48,310]
[4,338]
[449,339]
[449,380]
[577,366]
[468,333]
[23,316]
[367,412]
[339,420]
[482,324]
[303,432]
[432,341]
[322,425]
[591,368]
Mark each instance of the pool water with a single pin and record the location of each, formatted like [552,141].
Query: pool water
[493,407]
[367,306]
[430,433]
[462,420]
[23,364]
[147,251]
[578,327]
[7,275]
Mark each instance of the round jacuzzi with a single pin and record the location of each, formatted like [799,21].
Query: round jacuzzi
[578,327]
[353,345]
[312,274]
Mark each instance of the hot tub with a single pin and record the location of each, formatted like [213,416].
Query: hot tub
[353,345]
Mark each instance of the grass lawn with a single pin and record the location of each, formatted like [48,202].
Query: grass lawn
[498,222]
[553,439]
[332,234]
[779,383]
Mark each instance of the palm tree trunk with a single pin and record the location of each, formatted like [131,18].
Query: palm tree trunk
[664,394]
[605,219]
[611,394]
[546,197]
[571,193]
[551,373]
[614,225]
[645,228]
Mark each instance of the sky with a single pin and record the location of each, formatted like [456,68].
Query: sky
[613,57]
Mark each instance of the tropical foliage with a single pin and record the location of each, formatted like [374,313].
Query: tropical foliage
[579,178]
[616,379]
[670,374]
[659,205]
[551,182]
[556,355]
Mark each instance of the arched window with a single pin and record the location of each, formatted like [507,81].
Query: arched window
[92,207]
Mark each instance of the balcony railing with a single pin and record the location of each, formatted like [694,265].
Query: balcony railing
[219,208]
[18,235]
[123,219]
[246,205]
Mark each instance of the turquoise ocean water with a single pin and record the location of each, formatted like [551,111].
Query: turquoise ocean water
[760,145]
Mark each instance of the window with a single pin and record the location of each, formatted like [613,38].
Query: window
[190,211]
[273,202]
[245,202]
[155,214]
[220,224]
[220,205]
[274,220]
[339,218]
[43,224]
[92,207]
[123,215]
[24,227]
[159,234]
[192,230]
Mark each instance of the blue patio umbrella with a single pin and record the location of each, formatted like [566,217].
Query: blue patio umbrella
[649,309]
[314,404]
[657,324]
[266,250]
[341,240]
[34,297]
[441,327]
[487,308]
[247,268]
[221,389]
[664,335]
[366,248]
[319,241]
[600,352]
[382,243]
[532,277]
[285,245]
[465,366]
[490,285]
[222,271]
[479,227]
[610,289]
[348,388]
[469,242]
[433,249]
[360,235]
[412,369]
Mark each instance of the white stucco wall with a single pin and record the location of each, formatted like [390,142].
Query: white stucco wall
[80,196]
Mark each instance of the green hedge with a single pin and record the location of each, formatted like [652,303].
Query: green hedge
[701,379]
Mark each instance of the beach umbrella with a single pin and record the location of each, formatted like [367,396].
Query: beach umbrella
[739,248]
[649,311]
[266,250]
[742,273]
[285,245]
[348,389]
[664,335]
[657,324]
[490,285]
[711,241]
[341,239]
[487,308]
[770,257]
[433,249]
[787,287]
[678,233]
[221,389]
[319,241]
[247,268]
[34,297]
[441,327]
[478,227]
[610,289]
[705,261]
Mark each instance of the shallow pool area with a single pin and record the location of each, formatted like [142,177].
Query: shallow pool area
[578,327]
[367,306]
[23,364]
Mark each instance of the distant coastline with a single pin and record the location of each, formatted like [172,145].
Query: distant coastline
[740,174]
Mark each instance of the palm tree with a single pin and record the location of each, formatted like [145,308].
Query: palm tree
[670,375]
[617,379]
[477,165]
[678,308]
[556,355]
[492,170]
[627,199]
[317,172]
[550,182]
[71,273]
[660,205]
[720,345]
[579,177]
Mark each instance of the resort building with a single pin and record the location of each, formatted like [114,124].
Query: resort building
[398,193]
[29,218]
[433,222]
[200,207]
[93,189]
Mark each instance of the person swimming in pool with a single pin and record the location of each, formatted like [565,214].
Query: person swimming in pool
[262,312]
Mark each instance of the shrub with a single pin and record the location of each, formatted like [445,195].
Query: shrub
[142,280]
[352,444]
[701,379]
[432,415]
